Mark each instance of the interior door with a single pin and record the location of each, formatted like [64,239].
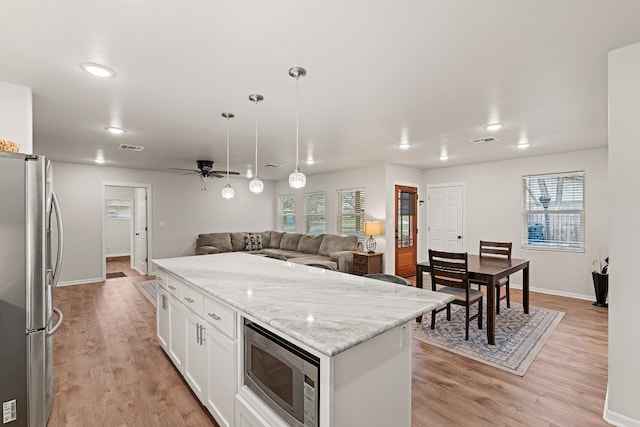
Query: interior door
[140,255]
[445,218]
[406,246]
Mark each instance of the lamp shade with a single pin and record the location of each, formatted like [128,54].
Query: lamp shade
[373,228]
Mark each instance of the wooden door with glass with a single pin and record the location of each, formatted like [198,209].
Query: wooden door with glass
[406,240]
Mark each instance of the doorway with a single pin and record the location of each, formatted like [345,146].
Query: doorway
[445,217]
[406,242]
[125,233]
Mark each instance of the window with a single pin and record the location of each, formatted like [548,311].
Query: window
[287,213]
[553,212]
[350,215]
[314,213]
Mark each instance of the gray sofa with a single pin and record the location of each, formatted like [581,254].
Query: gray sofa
[329,251]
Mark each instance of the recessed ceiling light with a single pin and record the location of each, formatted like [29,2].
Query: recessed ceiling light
[310,161]
[444,157]
[97,70]
[99,161]
[404,146]
[493,126]
[523,145]
[115,130]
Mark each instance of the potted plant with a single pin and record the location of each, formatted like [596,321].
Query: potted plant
[601,282]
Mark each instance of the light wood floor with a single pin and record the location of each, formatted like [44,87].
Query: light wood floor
[110,370]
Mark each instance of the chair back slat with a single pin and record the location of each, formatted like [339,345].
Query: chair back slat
[496,248]
[449,269]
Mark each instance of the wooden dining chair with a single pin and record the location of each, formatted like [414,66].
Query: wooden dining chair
[498,249]
[450,275]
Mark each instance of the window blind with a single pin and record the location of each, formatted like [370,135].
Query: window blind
[350,212]
[553,211]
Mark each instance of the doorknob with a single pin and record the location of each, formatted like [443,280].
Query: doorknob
[459,237]
[137,234]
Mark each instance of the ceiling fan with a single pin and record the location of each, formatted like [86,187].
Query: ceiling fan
[204,172]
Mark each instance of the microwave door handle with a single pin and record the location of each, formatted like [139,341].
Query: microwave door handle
[56,208]
[60,318]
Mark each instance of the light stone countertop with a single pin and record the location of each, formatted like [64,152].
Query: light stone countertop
[327,310]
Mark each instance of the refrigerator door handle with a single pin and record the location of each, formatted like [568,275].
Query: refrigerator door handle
[57,325]
[56,271]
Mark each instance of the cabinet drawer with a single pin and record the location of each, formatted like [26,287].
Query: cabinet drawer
[360,268]
[174,286]
[193,299]
[161,279]
[221,316]
[359,259]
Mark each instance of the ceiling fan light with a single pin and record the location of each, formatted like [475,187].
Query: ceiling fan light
[228,192]
[256,185]
[297,179]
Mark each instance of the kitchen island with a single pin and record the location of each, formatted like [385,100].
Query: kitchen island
[359,328]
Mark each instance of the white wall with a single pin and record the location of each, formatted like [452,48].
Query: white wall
[118,231]
[176,201]
[623,396]
[16,115]
[493,206]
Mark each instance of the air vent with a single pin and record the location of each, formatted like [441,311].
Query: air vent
[131,147]
[483,140]
[271,165]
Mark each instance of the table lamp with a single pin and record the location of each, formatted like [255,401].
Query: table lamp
[372,228]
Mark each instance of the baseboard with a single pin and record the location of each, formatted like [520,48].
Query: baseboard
[557,293]
[615,418]
[81,282]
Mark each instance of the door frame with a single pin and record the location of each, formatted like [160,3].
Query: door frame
[429,187]
[106,184]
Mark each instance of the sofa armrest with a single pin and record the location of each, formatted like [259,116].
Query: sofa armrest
[205,250]
[344,259]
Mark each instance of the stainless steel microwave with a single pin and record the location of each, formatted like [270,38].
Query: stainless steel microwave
[281,374]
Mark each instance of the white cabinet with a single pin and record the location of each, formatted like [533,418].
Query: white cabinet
[246,416]
[176,332]
[162,317]
[221,376]
[195,356]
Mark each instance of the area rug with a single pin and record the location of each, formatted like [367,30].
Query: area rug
[148,289]
[519,336]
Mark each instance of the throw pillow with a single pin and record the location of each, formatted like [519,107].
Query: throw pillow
[253,242]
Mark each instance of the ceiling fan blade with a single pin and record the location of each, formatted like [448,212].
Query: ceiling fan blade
[223,173]
[185,170]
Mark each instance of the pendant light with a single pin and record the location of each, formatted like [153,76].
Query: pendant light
[297,178]
[256,185]
[227,191]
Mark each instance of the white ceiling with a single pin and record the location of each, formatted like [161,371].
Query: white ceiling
[433,72]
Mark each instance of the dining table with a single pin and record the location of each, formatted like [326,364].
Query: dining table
[489,270]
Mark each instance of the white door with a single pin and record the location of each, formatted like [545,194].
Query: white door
[445,217]
[140,255]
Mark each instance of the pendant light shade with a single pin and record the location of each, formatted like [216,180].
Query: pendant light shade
[297,179]
[227,191]
[256,185]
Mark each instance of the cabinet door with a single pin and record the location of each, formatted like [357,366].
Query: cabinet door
[195,363]
[221,378]
[246,417]
[176,332]
[163,320]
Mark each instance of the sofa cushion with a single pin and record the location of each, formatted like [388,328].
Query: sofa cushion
[316,261]
[222,241]
[253,242]
[266,238]
[334,243]
[275,239]
[290,241]
[309,244]
[237,240]
[282,254]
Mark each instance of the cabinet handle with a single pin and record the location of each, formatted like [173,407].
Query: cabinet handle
[189,300]
[214,316]
[197,333]
[164,302]
[201,334]
[173,288]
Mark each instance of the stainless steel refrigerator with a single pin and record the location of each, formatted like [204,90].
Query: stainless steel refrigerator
[30,224]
